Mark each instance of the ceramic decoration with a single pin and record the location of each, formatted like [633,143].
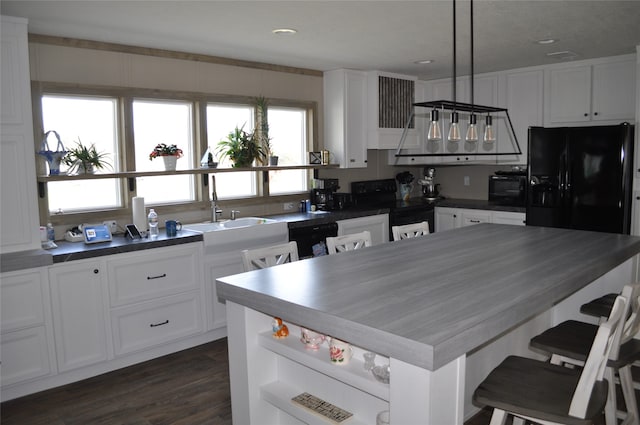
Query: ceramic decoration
[311,339]
[340,352]
[280,330]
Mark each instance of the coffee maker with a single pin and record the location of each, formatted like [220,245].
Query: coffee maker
[322,194]
[430,190]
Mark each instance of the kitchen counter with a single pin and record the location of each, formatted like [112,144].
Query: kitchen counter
[301,219]
[69,251]
[428,302]
[478,204]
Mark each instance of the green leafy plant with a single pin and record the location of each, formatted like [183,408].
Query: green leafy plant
[83,159]
[163,149]
[241,148]
[262,127]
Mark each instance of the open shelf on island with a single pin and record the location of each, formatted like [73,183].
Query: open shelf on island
[280,394]
[352,374]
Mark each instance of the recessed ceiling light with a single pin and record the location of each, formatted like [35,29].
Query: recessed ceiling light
[546,41]
[424,61]
[284,31]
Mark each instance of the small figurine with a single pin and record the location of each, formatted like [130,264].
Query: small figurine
[280,330]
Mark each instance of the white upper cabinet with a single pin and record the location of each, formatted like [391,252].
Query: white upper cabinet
[596,91]
[523,99]
[18,195]
[389,104]
[345,120]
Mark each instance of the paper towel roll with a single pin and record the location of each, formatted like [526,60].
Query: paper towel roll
[139,213]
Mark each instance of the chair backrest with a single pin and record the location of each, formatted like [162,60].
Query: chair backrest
[608,333]
[631,293]
[412,230]
[261,258]
[336,244]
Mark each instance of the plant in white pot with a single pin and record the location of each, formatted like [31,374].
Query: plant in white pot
[83,159]
[169,153]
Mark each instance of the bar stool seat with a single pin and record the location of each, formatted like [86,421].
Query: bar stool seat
[599,307]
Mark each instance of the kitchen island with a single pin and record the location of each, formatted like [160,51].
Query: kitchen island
[442,310]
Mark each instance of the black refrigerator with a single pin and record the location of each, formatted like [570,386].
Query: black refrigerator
[581,177]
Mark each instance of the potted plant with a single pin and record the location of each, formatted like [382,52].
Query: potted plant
[262,129]
[241,148]
[83,159]
[169,153]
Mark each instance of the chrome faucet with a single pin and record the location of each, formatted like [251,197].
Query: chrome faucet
[234,214]
[215,211]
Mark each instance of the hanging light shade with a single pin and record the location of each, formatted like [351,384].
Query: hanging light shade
[472,131]
[434,134]
[489,135]
[454,128]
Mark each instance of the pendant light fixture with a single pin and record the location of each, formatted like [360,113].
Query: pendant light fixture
[452,105]
[489,135]
[454,129]
[434,134]
[472,131]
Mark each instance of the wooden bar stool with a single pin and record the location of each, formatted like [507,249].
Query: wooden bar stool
[550,394]
[410,230]
[570,341]
[337,244]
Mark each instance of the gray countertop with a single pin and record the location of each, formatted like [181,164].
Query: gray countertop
[478,204]
[429,300]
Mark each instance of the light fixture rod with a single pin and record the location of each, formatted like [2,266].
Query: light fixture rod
[471,48]
[454,83]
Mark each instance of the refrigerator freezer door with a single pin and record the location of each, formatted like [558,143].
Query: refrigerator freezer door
[597,190]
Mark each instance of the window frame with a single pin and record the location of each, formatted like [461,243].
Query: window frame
[125,97]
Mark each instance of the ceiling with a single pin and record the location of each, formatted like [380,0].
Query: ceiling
[370,35]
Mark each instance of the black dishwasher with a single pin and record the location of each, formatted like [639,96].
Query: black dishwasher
[306,236]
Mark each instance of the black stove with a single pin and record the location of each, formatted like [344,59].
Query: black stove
[382,194]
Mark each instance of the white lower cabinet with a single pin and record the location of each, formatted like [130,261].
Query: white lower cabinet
[377,225]
[26,340]
[79,314]
[451,218]
[155,297]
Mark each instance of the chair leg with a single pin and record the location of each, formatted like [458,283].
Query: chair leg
[610,408]
[626,382]
[499,417]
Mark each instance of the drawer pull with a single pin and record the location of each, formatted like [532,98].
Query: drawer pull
[157,277]
[155,325]
[475,221]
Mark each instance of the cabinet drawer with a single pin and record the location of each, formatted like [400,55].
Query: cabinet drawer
[470,218]
[25,355]
[152,275]
[144,325]
[22,300]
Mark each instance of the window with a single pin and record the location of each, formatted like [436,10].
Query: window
[127,123]
[91,120]
[221,120]
[168,122]
[288,134]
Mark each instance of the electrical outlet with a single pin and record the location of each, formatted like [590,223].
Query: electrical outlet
[288,206]
[466,181]
[113,225]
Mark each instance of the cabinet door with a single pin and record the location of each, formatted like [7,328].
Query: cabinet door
[506,217]
[635,225]
[19,216]
[378,225]
[216,266]
[613,91]
[568,94]
[345,110]
[523,93]
[447,218]
[79,314]
[25,355]
[471,217]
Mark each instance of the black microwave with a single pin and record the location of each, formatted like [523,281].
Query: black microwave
[508,189]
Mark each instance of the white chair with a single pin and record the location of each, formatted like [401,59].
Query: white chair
[261,258]
[570,341]
[336,244]
[410,230]
[546,393]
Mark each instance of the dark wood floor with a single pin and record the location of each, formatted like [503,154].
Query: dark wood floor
[186,388]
